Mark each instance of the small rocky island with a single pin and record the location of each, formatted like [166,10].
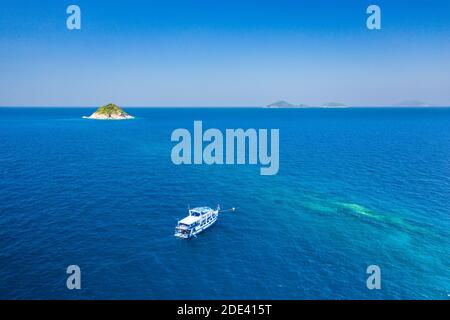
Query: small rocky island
[110,112]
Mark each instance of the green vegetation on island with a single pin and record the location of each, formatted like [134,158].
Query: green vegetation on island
[110,112]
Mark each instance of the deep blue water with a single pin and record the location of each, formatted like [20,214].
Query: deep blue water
[356,187]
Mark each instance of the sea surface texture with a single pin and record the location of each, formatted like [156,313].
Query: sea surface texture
[356,187]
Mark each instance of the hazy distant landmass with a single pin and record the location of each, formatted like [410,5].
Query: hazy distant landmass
[412,103]
[334,105]
[281,104]
[110,112]
[285,104]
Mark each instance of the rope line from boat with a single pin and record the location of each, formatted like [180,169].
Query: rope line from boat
[231,209]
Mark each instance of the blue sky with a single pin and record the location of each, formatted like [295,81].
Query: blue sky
[223,53]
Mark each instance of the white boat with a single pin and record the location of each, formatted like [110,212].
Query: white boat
[199,219]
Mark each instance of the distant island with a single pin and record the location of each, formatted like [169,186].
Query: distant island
[285,104]
[282,104]
[110,112]
[334,105]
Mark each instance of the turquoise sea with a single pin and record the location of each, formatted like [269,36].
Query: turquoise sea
[356,187]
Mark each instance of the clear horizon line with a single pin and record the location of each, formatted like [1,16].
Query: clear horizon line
[228,106]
